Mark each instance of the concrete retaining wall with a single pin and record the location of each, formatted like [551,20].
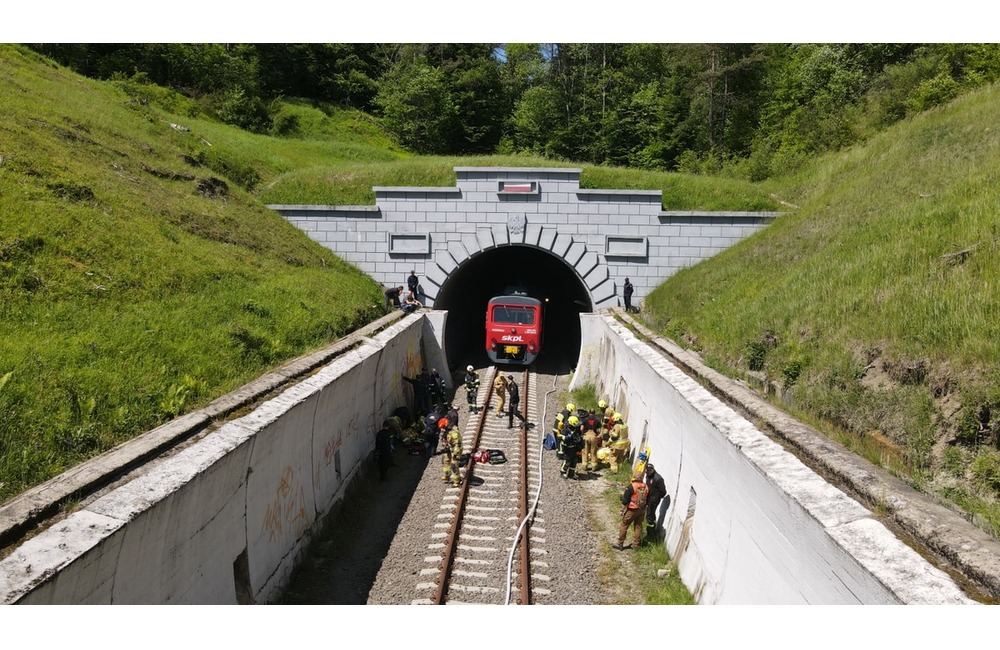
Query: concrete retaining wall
[748,523]
[225,520]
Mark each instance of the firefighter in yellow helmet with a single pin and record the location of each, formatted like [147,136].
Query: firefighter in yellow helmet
[591,426]
[571,446]
[618,442]
[633,511]
[443,427]
[500,390]
[453,455]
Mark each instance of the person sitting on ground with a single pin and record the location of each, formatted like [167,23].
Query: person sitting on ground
[410,303]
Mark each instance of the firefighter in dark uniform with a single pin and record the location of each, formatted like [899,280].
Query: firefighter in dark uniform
[572,443]
[472,388]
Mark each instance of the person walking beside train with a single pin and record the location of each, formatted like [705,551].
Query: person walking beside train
[633,511]
[472,388]
[515,401]
[500,390]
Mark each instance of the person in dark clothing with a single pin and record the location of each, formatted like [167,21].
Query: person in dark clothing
[657,492]
[514,397]
[383,452]
[472,388]
[627,291]
[393,296]
[431,432]
[421,391]
[413,283]
[436,387]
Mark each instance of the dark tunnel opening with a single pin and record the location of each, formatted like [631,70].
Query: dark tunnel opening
[493,273]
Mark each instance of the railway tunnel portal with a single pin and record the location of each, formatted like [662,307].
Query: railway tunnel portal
[504,226]
[498,271]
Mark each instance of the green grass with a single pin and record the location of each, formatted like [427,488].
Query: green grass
[127,296]
[876,303]
[638,580]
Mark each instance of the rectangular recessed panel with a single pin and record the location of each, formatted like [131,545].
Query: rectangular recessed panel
[409,244]
[618,246]
[518,187]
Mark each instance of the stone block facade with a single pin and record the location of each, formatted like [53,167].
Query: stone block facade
[604,235]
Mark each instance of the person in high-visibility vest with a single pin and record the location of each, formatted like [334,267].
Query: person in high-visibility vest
[633,511]
[618,442]
[453,455]
[591,426]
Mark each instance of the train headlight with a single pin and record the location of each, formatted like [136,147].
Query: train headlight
[513,330]
[532,347]
[493,342]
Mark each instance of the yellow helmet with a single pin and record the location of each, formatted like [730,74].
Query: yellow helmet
[559,416]
[570,407]
[602,404]
[617,417]
[573,420]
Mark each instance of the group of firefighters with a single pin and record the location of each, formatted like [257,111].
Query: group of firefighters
[590,438]
[586,438]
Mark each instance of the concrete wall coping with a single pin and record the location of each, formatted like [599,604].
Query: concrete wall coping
[520,170]
[621,192]
[416,190]
[935,526]
[324,208]
[30,507]
[718,214]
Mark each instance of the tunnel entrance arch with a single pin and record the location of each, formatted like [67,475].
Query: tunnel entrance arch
[470,285]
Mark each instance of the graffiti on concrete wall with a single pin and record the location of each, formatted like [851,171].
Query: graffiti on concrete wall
[286,513]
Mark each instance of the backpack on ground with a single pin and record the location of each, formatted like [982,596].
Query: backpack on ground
[550,441]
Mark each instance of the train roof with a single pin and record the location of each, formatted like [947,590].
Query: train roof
[515,300]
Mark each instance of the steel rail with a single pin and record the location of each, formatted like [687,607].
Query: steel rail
[451,543]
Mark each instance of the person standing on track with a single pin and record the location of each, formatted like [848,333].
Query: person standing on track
[472,388]
[515,401]
[500,390]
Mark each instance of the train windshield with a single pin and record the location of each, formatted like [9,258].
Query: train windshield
[513,315]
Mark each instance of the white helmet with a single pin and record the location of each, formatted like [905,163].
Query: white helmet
[469,369]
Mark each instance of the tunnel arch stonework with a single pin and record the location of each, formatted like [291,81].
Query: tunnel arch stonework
[604,235]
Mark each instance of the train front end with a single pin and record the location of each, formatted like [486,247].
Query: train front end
[513,329]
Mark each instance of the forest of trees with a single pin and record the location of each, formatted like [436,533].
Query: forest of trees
[752,110]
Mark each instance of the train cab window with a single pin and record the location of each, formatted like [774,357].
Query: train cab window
[513,316]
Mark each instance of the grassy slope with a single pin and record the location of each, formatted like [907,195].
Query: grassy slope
[858,306]
[127,297]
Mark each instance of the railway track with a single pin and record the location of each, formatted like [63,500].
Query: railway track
[487,544]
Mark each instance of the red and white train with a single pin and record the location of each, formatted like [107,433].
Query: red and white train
[514,329]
